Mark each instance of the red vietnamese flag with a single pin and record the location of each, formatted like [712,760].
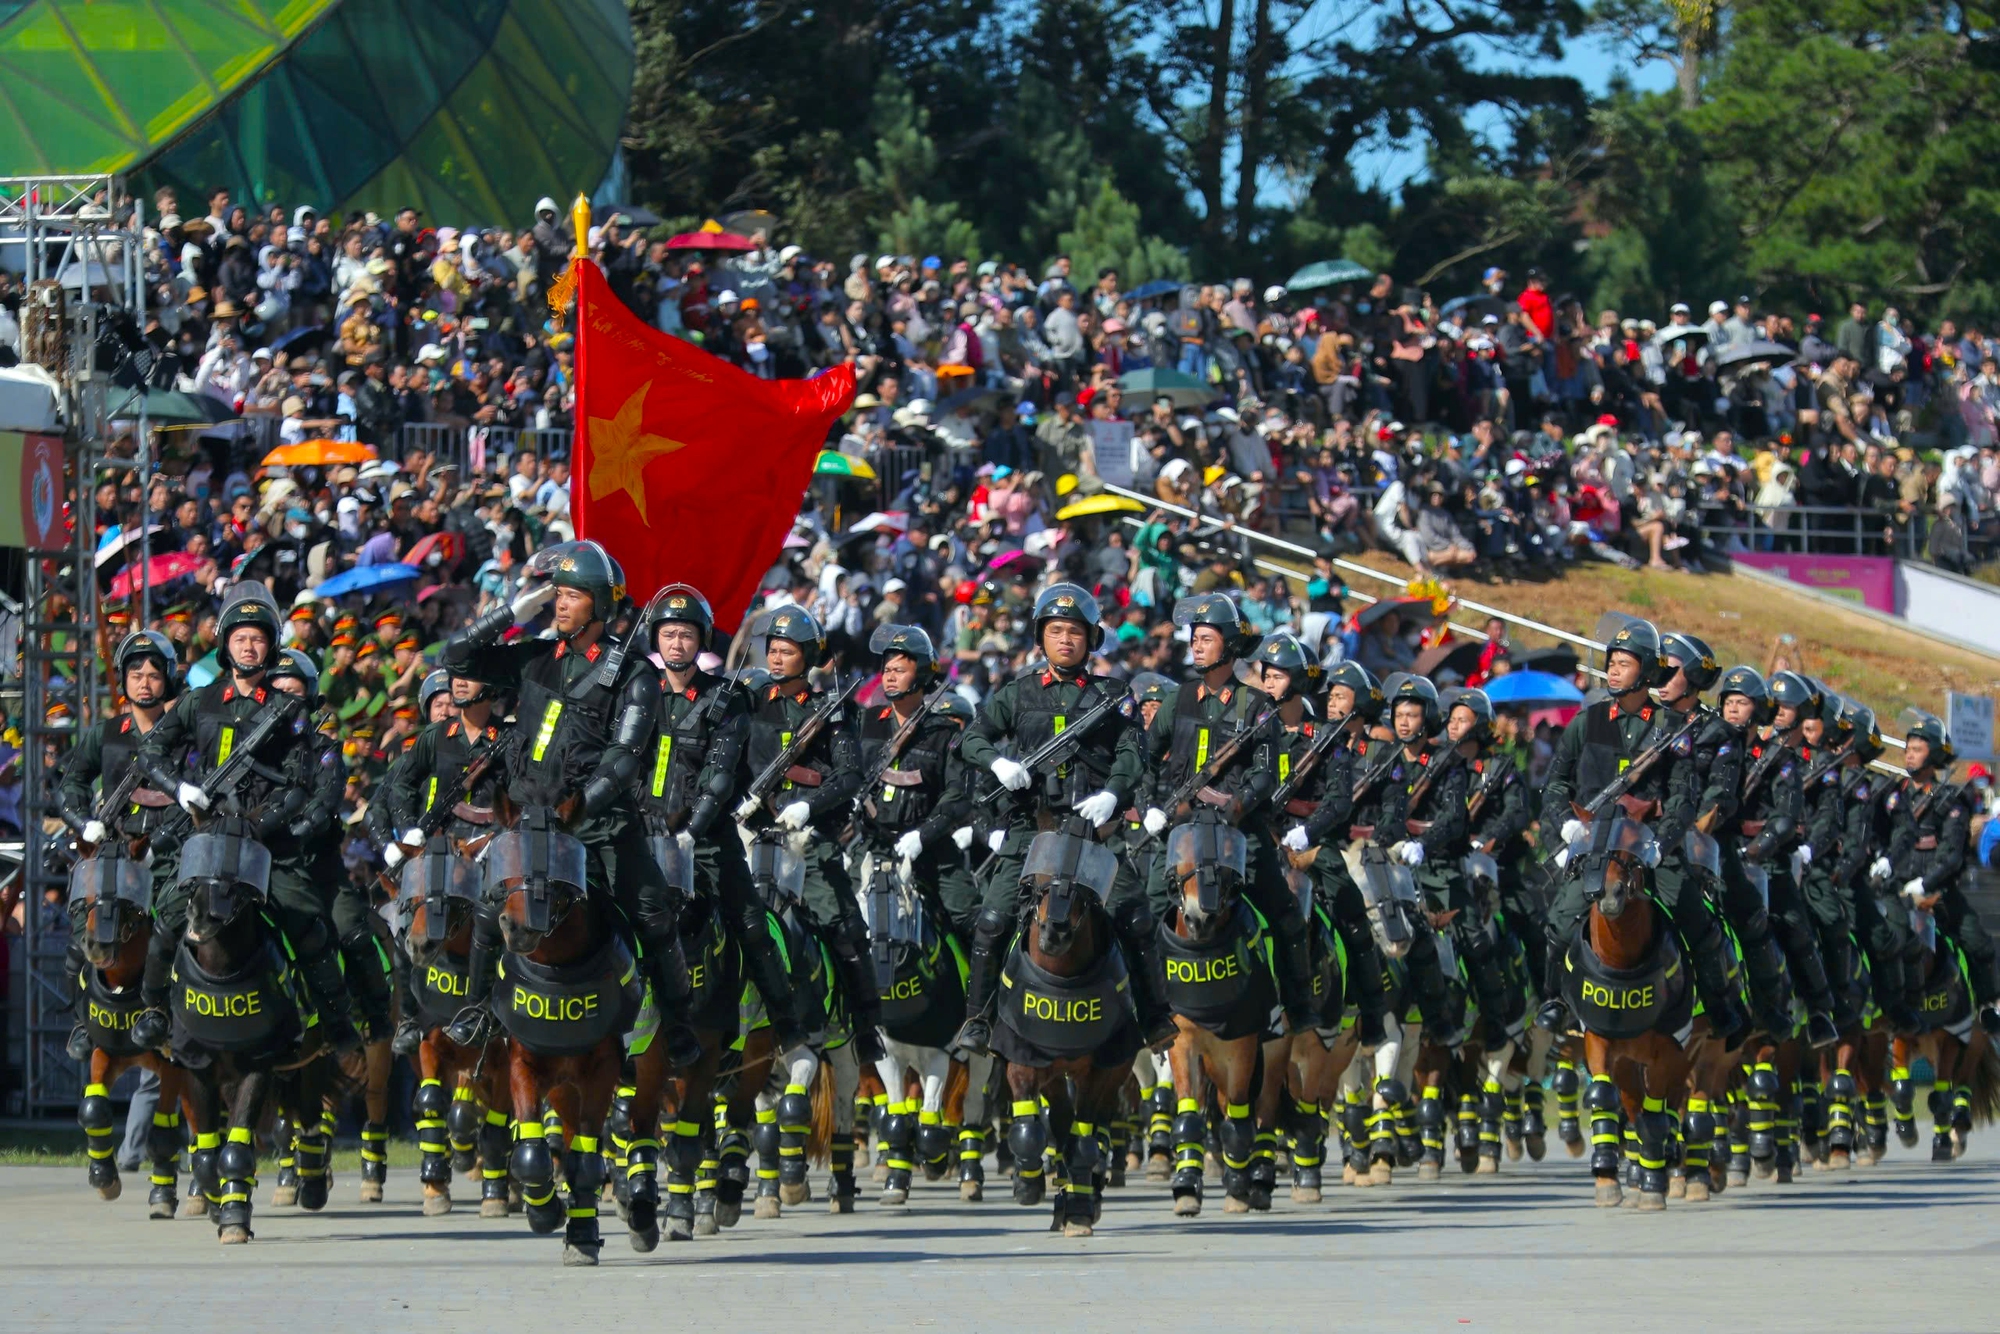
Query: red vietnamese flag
[684,467]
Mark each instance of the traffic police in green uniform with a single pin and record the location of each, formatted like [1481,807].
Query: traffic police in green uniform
[1102,778]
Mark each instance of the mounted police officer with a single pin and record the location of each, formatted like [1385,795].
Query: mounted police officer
[689,786]
[812,800]
[1498,811]
[455,761]
[286,804]
[1103,777]
[921,797]
[1823,857]
[1319,812]
[584,715]
[1929,827]
[1447,871]
[1846,843]
[148,677]
[1211,709]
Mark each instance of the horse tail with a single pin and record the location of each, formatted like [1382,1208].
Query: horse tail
[957,1080]
[1985,1082]
[819,1137]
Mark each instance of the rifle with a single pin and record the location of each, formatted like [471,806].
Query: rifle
[1487,782]
[1059,748]
[1446,761]
[112,803]
[1366,783]
[433,819]
[898,743]
[766,782]
[1615,790]
[224,779]
[1192,786]
[1328,738]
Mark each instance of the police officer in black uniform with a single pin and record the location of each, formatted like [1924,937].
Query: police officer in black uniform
[921,798]
[814,797]
[1929,828]
[1829,735]
[1211,709]
[584,715]
[148,677]
[1847,845]
[1468,733]
[1106,774]
[283,796]
[1498,811]
[689,786]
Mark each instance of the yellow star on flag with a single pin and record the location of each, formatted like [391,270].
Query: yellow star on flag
[620,451]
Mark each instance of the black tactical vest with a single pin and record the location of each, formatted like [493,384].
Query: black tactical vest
[910,790]
[680,747]
[222,717]
[1225,985]
[562,734]
[771,728]
[1196,737]
[1040,715]
[1605,755]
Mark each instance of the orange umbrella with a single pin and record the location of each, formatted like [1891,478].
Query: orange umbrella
[318,454]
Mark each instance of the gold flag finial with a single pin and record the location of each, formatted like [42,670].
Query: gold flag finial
[579,217]
[563,290]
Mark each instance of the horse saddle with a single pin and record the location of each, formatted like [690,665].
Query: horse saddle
[1653,996]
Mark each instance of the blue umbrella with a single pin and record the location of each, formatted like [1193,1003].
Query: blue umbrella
[203,670]
[1531,688]
[366,578]
[1159,287]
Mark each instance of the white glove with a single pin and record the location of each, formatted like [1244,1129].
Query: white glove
[1805,854]
[1098,807]
[1296,838]
[413,837]
[746,808]
[996,838]
[910,846]
[529,601]
[191,797]
[961,837]
[795,816]
[1573,829]
[1913,890]
[93,831]
[1012,776]
[392,856]
[686,840]
[1881,869]
[1411,852]
[1155,820]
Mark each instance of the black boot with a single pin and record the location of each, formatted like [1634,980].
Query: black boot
[1444,1013]
[1838,952]
[1294,960]
[1809,975]
[151,1025]
[1885,976]
[1500,1007]
[672,991]
[1364,983]
[368,976]
[409,1036]
[472,1026]
[1139,938]
[767,974]
[78,1046]
[989,939]
[864,995]
[1770,997]
[321,970]
[1703,945]
[1554,1016]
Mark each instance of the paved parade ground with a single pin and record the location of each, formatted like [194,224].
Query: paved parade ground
[1903,1246]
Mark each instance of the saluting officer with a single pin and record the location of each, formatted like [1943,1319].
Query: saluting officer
[815,796]
[689,786]
[584,715]
[148,677]
[208,721]
[1100,780]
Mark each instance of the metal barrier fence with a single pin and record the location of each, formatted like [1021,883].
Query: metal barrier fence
[1822,530]
[475,448]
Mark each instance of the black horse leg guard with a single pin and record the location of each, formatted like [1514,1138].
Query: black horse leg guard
[312,1145]
[1308,1144]
[100,1130]
[683,1152]
[1028,1140]
[236,1173]
[1430,1124]
[1237,1138]
[1840,1094]
[1761,1093]
[431,1106]
[972,1155]
[1567,1086]
[1190,1148]
[764,1138]
[642,1191]
[899,1137]
[1354,1131]
[794,1124]
[534,1167]
[1160,1122]
[1492,1111]
[493,1150]
[1654,1133]
[1606,1140]
[583,1176]
[1697,1142]
[163,1147]
[461,1125]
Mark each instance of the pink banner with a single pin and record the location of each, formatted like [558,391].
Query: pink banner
[1868,580]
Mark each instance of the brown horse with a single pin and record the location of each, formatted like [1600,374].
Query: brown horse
[1966,1088]
[114,932]
[1301,1089]
[569,990]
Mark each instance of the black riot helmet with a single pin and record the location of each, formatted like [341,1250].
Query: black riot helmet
[1220,611]
[796,624]
[295,664]
[1405,686]
[1859,719]
[1152,688]
[435,683]
[588,568]
[1929,727]
[1641,640]
[1796,691]
[1747,682]
[1693,657]
[247,603]
[461,663]
[1069,602]
[683,603]
[1367,692]
[1283,650]
[906,641]
[1477,703]
[143,644]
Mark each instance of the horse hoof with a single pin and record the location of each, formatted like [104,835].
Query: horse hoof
[646,1241]
[162,1208]
[1159,1167]
[879,1172]
[371,1192]
[111,1189]
[768,1207]
[1763,1167]
[1840,1160]
[1609,1194]
[1489,1165]
[1187,1206]
[1677,1188]
[1513,1151]
[1211,1166]
[1381,1172]
[284,1196]
[579,1257]
[1347,1174]
[971,1192]
[493,1208]
[726,1214]
[704,1225]
[1538,1148]
[1736,1179]
[1428,1171]
[438,1205]
[1233,1204]
[1650,1202]
[1076,1229]
[794,1192]
[1575,1147]
[1306,1195]
[893,1195]
[840,1204]
[194,1206]
[233,1235]
[1696,1192]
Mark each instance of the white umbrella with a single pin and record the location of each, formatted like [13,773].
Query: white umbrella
[890,521]
[110,550]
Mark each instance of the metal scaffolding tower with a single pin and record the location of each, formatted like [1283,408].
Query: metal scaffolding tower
[78,244]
